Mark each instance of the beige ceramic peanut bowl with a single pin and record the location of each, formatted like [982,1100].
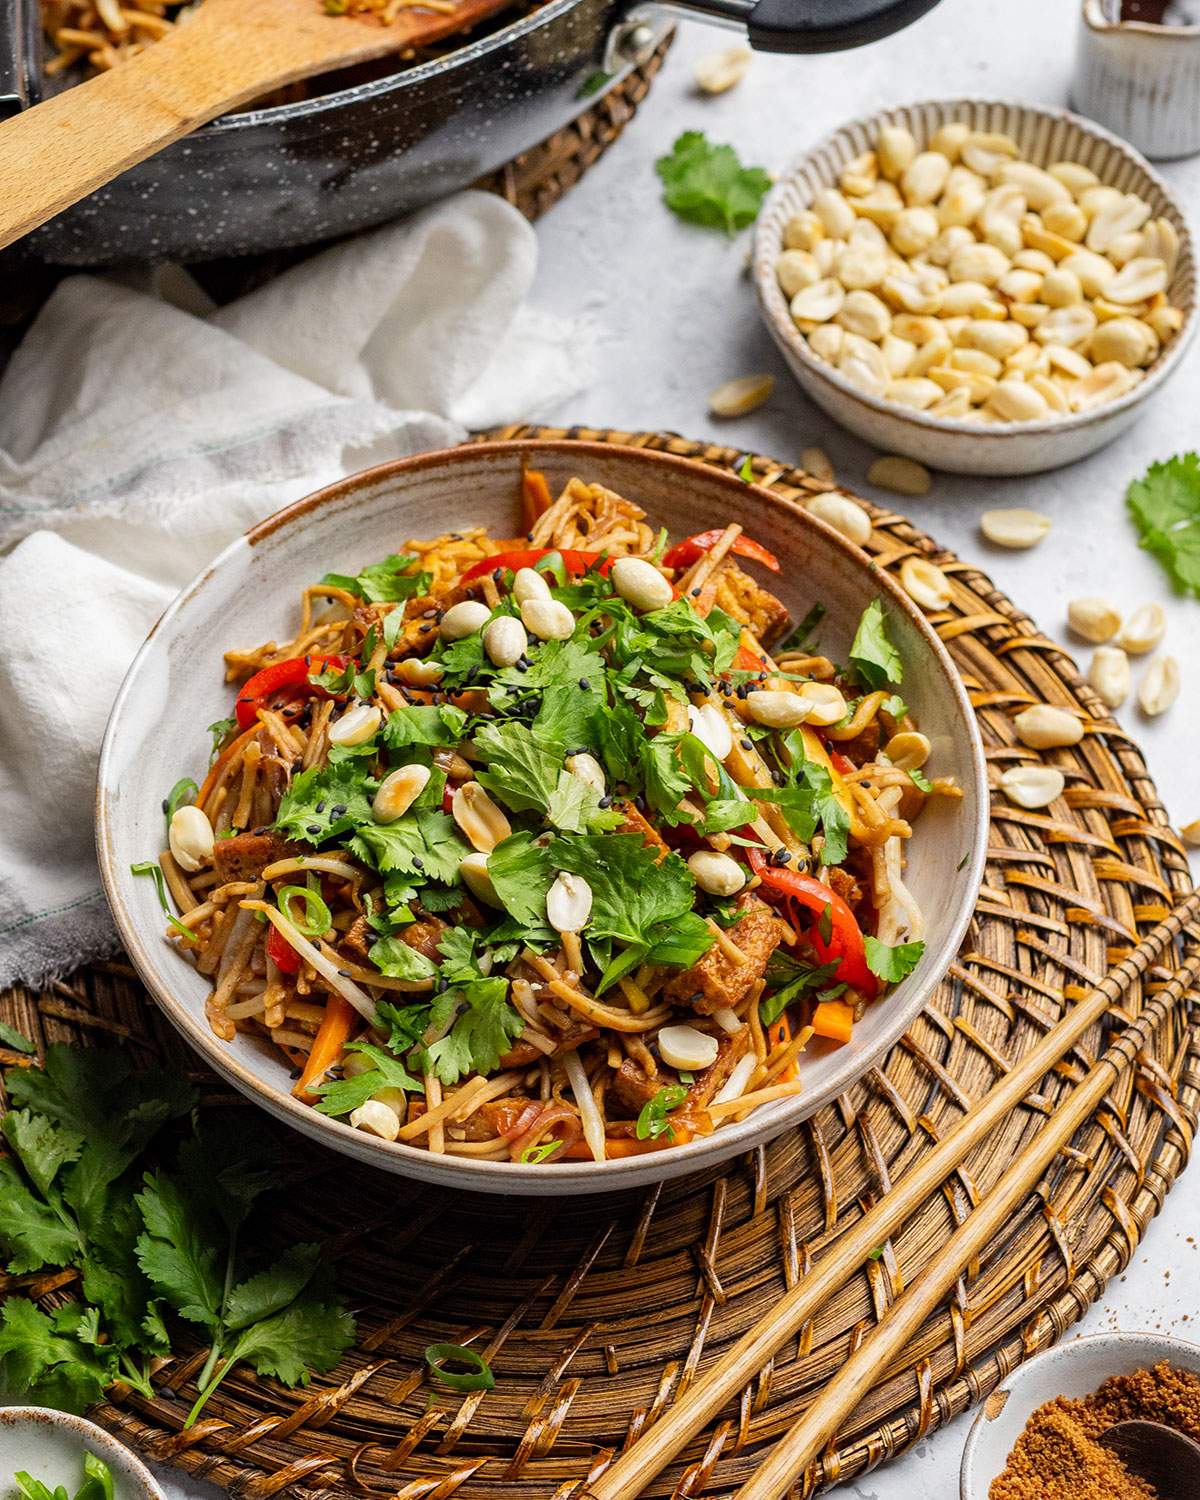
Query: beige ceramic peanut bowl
[1044,136]
[250,593]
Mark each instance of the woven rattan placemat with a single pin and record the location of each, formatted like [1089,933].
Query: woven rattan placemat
[596,1314]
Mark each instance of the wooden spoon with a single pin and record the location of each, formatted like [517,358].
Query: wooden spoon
[226,54]
[1168,1460]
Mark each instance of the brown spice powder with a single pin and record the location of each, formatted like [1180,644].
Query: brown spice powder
[1059,1455]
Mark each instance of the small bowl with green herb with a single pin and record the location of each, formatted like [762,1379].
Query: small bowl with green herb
[437,1017]
[53,1455]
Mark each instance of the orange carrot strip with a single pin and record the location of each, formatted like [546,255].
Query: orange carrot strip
[222,761]
[833,1019]
[332,1035]
[625,1145]
[535,496]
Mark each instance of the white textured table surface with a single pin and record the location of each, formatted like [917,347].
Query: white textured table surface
[679,317]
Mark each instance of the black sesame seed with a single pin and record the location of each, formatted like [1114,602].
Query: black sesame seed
[529,536]
[164,805]
[498,576]
[696,593]
[314,829]
[320,807]
[584,683]
[344,973]
[779,778]
[640,803]
[522,664]
[418,862]
[781,857]
[339,811]
[746,744]
[424,629]
[743,689]
[605,802]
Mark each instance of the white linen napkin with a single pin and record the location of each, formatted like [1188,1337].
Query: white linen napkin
[141,433]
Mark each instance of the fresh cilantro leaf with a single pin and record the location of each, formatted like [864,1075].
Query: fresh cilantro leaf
[32,1233]
[399,960]
[383,582]
[663,776]
[652,1122]
[17,1040]
[177,1253]
[1165,506]
[220,729]
[892,964]
[872,654]
[522,872]
[46,1365]
[638,901]
[569,714]
[326,804]
[432,724]
[482,1033]
[707,184]
[312,1333]
[895,705]
[424,842]
[265,1294]
[528,776]
[343,1095]
[41,1147]
[618,740]
[348,681]
[793,980]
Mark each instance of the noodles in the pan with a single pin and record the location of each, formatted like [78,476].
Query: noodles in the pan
[563,847]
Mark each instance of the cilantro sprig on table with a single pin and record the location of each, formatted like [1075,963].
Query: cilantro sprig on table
[707,184]
[1165,506]
[83,1186]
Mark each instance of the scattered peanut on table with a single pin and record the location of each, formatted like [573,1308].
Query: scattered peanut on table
[965,282]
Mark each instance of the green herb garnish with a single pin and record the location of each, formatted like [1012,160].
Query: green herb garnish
[892,964]
[1165,506]
[97,1483]
[652,1122]
[153,869]
[477,1376]
[872,655]
[707,184]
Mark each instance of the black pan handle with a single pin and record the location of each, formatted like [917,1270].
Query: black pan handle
[812,25]
[20,55]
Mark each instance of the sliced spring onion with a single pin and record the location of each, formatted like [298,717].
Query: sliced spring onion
[328,970]
[317,919]
[593,1125]
[150,867]
[533,1155]
[182,792]
[478,1378]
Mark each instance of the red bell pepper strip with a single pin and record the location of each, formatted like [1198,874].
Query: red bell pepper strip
[692,548]
[281,953]
[845,943]
[744,660]
[574,562]
[292,673]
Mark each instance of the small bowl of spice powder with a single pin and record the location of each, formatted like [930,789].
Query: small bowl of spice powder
[1037,1435]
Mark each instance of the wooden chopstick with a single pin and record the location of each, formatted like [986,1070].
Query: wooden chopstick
[805,1440]
[634,1469]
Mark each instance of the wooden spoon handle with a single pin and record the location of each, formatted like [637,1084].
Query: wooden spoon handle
[61,150]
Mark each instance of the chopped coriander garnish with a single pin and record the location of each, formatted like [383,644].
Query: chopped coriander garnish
[892,964]
[707,184]
[1165,506]
[872,654]
[383,582]
[220,729]
[16,1040]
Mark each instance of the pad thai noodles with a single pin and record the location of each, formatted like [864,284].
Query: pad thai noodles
[552,848]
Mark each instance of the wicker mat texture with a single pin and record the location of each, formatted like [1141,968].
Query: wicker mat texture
[596,1314]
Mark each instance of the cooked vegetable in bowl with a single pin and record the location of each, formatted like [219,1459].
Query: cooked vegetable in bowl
[551,849]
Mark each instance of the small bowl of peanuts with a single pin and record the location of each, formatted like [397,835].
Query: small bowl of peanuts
[987,287]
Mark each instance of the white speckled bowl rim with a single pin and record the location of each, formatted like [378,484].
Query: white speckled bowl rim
[140,716]
[26,1429]
[1075,1369]
[825,161]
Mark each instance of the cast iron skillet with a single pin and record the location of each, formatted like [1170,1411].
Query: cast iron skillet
[296,174]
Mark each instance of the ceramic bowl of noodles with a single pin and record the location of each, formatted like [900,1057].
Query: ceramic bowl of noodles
[574,816]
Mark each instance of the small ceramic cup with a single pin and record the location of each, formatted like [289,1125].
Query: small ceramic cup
[50,1446]
[1141,80]
[1072,1369]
